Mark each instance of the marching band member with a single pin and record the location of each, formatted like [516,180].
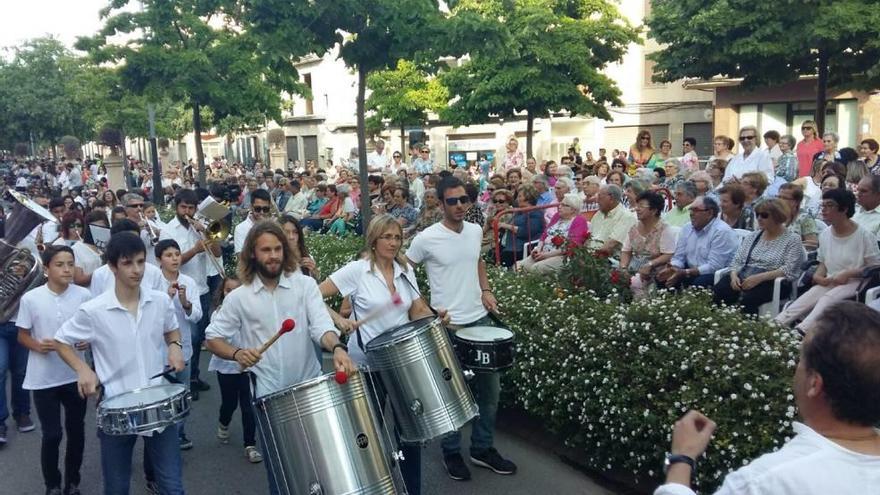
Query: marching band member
[450,250]
[41,312]
[87,256]
[130,331]
[104,279]
[274,290]
[259,210]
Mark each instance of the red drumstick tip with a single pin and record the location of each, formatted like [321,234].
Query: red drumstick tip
[396,299]
[287,325]
[341,377]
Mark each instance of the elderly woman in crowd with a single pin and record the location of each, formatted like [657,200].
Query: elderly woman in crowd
[515,230]
[340,222]
[501,200]
[431,213]
[770,252]
[787,164]
[672,167]
[601,170]
[616,177]
[715,169]
[732,199]
[590,186]
[855,171]
[649,245]
[868,152]
[660,156]
[631,191]
[799,221]
[829,148]
[566,229]
[722,147]
[703,181]
[845,249]
[563,186]
[832,181]
[402,211]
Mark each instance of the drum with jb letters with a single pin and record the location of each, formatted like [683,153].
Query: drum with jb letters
[143,410]
[423,380]
[484,349]
[322,439]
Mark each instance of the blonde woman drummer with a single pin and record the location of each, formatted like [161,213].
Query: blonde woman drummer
[372,283]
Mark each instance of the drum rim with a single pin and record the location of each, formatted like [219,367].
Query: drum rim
[396,340]
[459,335]
[182,390]
[311,382]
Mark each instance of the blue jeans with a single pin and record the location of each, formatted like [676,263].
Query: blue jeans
[486,388]
[163,448]
[13,358]
[149,468]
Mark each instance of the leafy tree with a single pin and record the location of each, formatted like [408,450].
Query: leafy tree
[767,44]
[552,60]
[199,52]
[403,96]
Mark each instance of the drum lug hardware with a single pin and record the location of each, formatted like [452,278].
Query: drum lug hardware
[468,375]
[315,489]
[416,407]
[397,455]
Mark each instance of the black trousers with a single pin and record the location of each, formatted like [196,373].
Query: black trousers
[235,390]
[48,403]
[751,299]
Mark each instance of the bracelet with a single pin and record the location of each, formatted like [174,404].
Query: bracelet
[486,290]
[234,353]
[339,345]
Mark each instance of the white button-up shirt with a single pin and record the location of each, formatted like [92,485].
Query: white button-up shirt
[241,232]
[187,238]
[808,464]
[251,315]
[104,280]
[297,205]
[128,349]
[869,220]
[43,312]
[186,321]
[757,161]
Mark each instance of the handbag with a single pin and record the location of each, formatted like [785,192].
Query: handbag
[747,271]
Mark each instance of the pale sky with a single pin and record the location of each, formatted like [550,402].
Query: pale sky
[65,19]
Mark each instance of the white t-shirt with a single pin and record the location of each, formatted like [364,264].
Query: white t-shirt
[451,259]
[369,293]
[241,232]
[185,321]
[104,280]
[86,258]
[757,161]
[856,250]
[197,266]
[43,312]
[809,464]
[348,206]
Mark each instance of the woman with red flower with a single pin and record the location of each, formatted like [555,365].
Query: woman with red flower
[566,230]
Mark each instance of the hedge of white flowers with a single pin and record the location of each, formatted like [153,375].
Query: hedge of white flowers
[611,378]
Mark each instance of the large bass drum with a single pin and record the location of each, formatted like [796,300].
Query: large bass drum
[423,379]
[322,439]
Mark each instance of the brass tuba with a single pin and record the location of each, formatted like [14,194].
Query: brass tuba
[19,270]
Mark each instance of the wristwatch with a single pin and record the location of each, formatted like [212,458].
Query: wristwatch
[338,345]
[179,343]
[676,458]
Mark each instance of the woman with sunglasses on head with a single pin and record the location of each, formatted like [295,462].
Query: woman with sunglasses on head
[808,147]
[770,252]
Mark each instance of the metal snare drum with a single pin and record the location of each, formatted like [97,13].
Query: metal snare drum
[322,439]
[484,349]
[143,410]
[423,380]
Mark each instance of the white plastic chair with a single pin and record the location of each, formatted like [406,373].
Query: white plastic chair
[872,295]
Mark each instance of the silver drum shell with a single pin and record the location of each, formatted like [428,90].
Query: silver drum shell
[144,417]
[323,439]
[424,382]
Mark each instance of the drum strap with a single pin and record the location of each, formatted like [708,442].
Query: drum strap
[490,314]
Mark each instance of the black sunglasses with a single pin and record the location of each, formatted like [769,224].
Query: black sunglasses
[763,215]
[496,201]
[262,209]
[465,200]
[747,138]
[136,205]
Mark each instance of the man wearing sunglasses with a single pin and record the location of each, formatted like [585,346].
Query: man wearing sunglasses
[259,211]
[450,250]
[750,159]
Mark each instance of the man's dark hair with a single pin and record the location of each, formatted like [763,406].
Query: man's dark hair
[655,201]
[472,191]
[444,173]
[56,202]
[710,203]
[261,194]
[845,200]
[124,245]
[446,183]
[201,194]
[186,196]
[294,184]
[774,135]
[404,192]
[124,225]
[52,251]
[165,244]
[845,351]
[376,179]
[690,140]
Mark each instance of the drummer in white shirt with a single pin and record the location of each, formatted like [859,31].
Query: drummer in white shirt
[131,331]
[41,312]
[371,283]
[273,291]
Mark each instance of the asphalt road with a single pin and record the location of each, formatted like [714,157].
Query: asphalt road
[213,468]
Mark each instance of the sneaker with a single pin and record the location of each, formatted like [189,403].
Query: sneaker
[199,385]
[153,487]
[185,443]
[2,435]
[24,423]
[491,459]
[72,490]
[223,433]
[253,456]
[456,468]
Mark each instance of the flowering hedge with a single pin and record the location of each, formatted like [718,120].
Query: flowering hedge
[611,377]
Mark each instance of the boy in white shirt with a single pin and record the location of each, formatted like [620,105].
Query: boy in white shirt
[41,312]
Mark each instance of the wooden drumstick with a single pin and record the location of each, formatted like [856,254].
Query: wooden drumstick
[286,326]
[396,300]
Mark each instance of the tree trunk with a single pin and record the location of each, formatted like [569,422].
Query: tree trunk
[403,147]
[530,126]
[54,149]
[821,92]
[200,153]
[126,172]
[366,212]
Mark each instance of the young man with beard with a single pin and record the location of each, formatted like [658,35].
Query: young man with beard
[131,330]
[194,263]
[450,250]
[274,290]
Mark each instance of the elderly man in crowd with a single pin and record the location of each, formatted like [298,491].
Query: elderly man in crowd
[685,194]
[297,205]
[705,245]
[750,159]
[837,391]
[564,185]
[611,224]
[545,195]
[868,197]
